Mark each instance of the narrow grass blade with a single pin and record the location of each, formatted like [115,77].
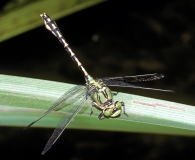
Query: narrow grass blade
[22,100]
[19,18]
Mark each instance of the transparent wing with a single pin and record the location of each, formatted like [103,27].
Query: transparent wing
[70,94]
[132,79]
[66,119]
[127,80]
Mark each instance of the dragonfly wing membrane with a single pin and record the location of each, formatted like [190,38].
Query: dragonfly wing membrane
[127,80]
[64,98]
[132,79]
[65,120]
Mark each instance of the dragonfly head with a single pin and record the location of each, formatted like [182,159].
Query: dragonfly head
[113,110]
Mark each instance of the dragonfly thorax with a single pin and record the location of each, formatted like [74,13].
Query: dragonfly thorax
[102,98]
[99,92]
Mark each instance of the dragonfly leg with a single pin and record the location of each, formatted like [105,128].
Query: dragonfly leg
[100,116]
[87,94]
[123,104]
[93,104]
[114,93]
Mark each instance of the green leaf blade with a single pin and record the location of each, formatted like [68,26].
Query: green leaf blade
[22,100]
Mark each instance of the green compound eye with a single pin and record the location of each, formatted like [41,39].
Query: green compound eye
[108,112]
[116,114]
[112,112]
[117,105]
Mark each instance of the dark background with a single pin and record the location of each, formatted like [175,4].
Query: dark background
[110,39]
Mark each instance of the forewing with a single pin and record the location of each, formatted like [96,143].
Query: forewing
[127,80]
[70,94]
[66,119]
[114,81]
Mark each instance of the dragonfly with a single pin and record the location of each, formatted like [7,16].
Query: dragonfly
[95,90]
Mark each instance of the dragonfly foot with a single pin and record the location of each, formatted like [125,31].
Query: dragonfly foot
[114,93]
[123,104]
[100,116]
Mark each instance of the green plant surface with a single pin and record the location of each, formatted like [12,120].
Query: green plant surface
[23,100]
[19,18]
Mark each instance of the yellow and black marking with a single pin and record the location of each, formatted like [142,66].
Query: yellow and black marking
[52,26]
